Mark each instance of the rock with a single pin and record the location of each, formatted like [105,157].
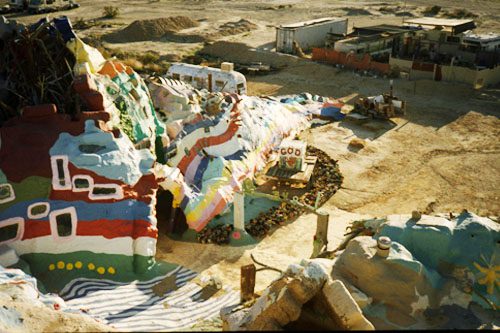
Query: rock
[360,297]
[343,307]
[281,303]
[8,256]
[399,283]
[232,317]
[357,144]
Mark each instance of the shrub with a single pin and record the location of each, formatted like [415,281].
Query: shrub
[460,13]
[432,11]
[110,12]
[149,58]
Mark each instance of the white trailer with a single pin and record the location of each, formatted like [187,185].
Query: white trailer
[482,42]
[223,79]
[308,34]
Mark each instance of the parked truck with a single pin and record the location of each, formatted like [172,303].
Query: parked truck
[37,6]
[47,6]
[14,6]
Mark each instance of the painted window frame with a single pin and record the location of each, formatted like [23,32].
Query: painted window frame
[38,216]
[20,229]
[88,178]
[53,223]
[12,193]
[55,172]
[118,195]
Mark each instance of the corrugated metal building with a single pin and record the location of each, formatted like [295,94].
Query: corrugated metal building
[309,33]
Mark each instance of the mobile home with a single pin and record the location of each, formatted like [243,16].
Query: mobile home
[223,79]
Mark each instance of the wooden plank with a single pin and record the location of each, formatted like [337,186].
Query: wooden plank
[321,237]
[247,282]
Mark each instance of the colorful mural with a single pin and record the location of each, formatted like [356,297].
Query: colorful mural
[216,153]
[78,189]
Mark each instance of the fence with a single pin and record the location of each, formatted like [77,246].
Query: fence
[474,77]
[349,60]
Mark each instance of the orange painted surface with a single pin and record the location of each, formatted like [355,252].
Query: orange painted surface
[349,60]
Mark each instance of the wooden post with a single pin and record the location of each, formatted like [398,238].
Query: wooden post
[209,82]
[321,236]
[247,282]
[322,227]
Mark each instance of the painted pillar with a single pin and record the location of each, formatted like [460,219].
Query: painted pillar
[239,211]
[240,236]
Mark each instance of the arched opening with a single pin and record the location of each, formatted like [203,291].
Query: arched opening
[170,220]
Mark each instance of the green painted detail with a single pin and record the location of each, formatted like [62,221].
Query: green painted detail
[30,188]
[160,156]
[22,265]
[125,119]
[54,271]
[3,177]
[142,263]
[243,239]
[138,118]
[191,236]
[188,236]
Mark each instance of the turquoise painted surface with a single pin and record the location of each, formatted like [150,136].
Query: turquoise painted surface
[214,170]
[429,244]
[463,242]
[112,158]
[253,207]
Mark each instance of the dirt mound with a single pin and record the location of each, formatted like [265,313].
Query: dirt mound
[352,11]
[142,30]
[183,38]
[406,14]
[242,54]
[233,28]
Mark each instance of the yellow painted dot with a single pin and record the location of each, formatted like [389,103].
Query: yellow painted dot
[78,264]
[69,266]
[111,270]
[91,266]
[60,264]
[101,270]
[52,267]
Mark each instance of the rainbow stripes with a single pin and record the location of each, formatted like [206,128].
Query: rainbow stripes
[216,154]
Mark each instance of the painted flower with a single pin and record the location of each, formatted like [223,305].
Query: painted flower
[490,275]
[236,235]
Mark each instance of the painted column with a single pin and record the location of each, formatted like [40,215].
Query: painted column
[239,211]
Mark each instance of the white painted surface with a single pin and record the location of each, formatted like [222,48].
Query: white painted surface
[97,244]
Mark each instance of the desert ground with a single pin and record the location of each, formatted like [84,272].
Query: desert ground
[443,156]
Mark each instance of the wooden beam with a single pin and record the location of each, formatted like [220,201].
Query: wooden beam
[247,282]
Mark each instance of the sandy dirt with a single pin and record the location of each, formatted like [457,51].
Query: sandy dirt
[40,318]
[443,156]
